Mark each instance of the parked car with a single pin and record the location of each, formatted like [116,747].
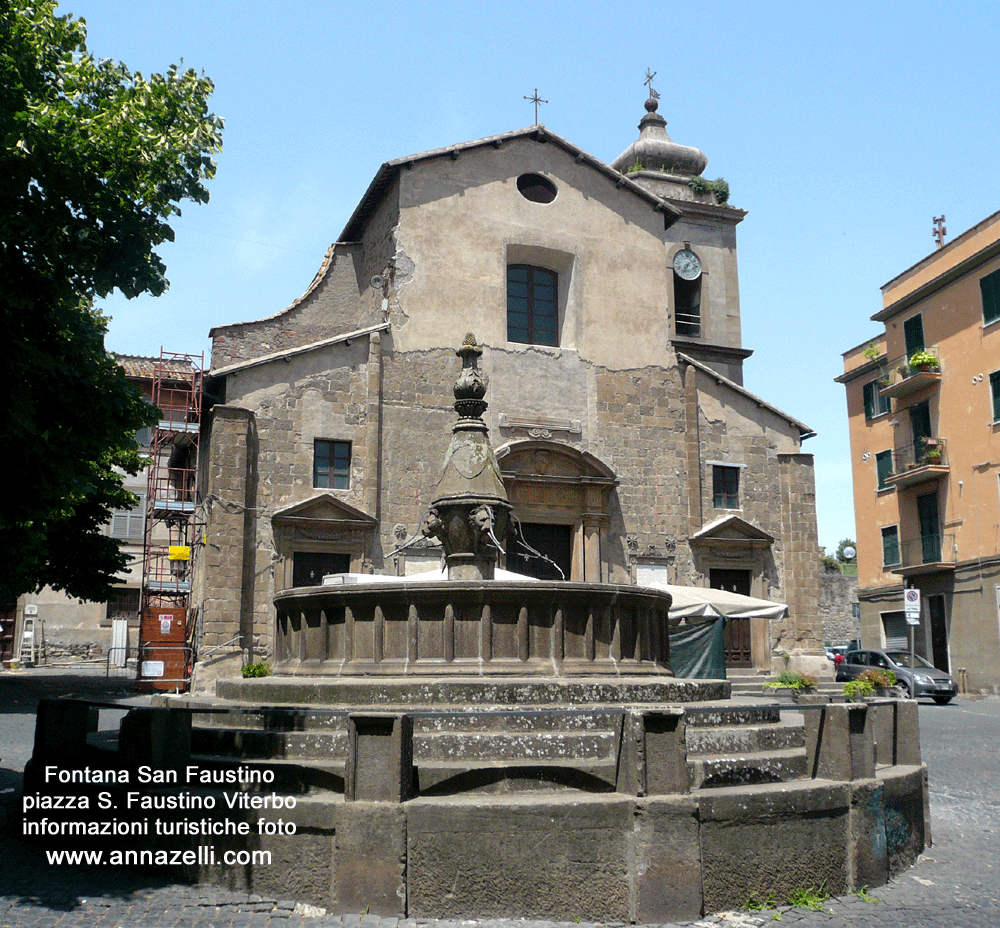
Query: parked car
[920,679]
[833,650]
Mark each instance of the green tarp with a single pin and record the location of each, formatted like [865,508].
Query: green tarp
[698,651]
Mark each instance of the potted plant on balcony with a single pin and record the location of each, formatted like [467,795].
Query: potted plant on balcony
[932,455]
[924,361]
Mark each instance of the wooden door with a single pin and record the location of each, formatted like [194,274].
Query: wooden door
[739,651]
[8,621]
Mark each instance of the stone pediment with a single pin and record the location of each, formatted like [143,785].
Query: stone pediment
[551,461]
[732,532]
[325,508]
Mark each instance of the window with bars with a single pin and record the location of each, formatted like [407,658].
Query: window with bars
[725,487]
[532,305]
[890,546]
[989,286]
[875,404]
[332,464]
[123,603]
[130,524]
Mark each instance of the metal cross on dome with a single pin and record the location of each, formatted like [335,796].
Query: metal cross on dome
[536,100]
[649,83]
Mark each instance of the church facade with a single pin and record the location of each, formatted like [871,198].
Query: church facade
[606,299]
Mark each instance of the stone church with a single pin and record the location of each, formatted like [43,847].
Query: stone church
[606,299]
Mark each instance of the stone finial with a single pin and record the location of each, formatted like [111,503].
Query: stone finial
[470,388]
[470,512]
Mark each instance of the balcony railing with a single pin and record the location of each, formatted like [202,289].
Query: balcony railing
[688,325]
[927,459]
[926,554]
[912,372]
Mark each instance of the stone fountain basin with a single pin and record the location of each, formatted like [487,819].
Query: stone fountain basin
[473,628]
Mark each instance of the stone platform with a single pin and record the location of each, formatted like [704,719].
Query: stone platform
[637,800]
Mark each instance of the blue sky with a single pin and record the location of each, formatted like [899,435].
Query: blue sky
[842,129]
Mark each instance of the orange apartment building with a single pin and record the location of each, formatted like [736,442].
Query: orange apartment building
[923,403]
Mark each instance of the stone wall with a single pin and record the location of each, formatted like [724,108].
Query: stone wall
[804,631]
[396,410]
[837,595]
[329,306]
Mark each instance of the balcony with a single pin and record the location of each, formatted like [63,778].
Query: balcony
[908,374]
[913,464]
[927,554]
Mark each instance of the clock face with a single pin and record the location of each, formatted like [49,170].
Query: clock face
[687,264]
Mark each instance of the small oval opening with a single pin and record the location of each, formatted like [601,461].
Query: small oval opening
[536,188]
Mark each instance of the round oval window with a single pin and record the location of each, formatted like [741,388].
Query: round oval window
[536,188]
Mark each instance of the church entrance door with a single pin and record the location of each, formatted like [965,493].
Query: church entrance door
[554,541]
[738,643]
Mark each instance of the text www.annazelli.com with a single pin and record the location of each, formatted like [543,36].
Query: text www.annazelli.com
[204,855]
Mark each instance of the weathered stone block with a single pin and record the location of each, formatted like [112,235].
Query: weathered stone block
[799,837]
[869,862]
[667,867]
[370,860]
[554,859]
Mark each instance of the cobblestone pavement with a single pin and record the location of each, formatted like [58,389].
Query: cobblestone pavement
[954,884]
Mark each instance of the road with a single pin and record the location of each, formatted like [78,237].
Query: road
[955,883]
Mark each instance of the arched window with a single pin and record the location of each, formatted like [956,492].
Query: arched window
[532,305]
[687,306]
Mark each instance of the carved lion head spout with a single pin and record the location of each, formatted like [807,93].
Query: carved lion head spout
[432,526]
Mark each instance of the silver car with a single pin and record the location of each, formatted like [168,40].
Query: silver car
[918,679]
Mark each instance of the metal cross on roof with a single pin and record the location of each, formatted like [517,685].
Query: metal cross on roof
[536,100]
[649,83]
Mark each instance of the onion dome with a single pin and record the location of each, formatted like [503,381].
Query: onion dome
[655,150]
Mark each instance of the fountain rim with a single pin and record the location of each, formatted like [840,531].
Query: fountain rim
[458,586]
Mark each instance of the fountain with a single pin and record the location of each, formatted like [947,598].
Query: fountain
[482,747]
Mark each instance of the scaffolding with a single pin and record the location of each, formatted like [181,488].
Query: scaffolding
[171,501]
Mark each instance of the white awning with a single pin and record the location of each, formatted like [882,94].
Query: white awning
[694,602]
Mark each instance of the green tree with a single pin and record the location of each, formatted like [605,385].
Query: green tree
[94,160]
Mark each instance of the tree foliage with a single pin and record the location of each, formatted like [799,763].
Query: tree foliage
[94,160]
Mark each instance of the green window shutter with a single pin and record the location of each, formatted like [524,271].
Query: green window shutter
[890,546]
[989,286]
[883,466]
[995,389]
[870,399]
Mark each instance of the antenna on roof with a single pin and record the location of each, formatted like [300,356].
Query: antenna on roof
[939,231]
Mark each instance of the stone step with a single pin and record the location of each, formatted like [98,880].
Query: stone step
[742,739]
[730,714]
[293,776]
[756,687]
[514,747]
[714,770]
[515,721]
[256,743]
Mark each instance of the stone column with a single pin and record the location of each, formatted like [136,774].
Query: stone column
[803,638]
[222,594]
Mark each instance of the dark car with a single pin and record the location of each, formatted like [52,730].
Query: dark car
[920,679]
